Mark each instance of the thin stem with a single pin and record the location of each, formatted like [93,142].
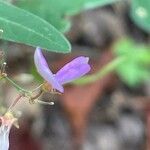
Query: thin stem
[37,88]
[16,85]
[33,98]
[39,101]
[37,96]
[14,102]
[20,96]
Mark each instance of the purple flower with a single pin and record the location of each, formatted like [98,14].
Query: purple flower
[71,71]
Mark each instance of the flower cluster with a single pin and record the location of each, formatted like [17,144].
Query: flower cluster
[71,71]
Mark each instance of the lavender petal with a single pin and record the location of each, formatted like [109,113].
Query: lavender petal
[73,70]
[44,71]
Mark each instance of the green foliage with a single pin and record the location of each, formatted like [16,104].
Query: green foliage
[140,13]
[36,75]
[56,11]
[136,66]
[23,27]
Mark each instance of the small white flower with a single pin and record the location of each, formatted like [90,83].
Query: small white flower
[6,123]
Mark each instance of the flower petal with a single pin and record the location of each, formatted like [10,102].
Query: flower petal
[44,71]
[6,123]
[73,70]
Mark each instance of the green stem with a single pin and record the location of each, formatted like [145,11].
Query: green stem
[16,85]
[101,73]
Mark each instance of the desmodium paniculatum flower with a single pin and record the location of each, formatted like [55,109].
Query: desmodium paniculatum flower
[6,123]
[71,71]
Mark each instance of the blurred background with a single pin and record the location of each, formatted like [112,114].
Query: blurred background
[110,113]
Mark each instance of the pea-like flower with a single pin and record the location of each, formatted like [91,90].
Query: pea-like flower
[6,123]
[71,71]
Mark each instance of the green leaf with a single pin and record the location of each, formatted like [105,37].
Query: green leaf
[135,68]
[89,4]
[56,11]
[140,13]
[23,27]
